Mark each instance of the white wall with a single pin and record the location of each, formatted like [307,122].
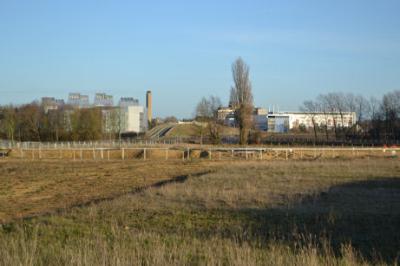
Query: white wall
[296,119]
[134,119]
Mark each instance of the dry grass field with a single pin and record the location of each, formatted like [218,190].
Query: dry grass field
[29,188]
[190,130]
[324,212]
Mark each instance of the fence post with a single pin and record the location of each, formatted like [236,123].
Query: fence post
[123,153]
[102,153]
[74,154]
[209,154]
[108,155]
[144,154]
[94,154]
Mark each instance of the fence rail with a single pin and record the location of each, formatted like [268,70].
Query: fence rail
[190,153]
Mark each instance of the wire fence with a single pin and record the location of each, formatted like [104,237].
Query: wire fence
[88,144]
[199,153]
[226,140]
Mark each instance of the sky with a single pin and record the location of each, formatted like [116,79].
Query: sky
[183,50]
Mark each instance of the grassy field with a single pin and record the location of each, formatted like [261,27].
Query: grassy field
[189,130]
[334,212]
[29,188]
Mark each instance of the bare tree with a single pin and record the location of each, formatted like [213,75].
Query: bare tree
[29,121]
[9,122]
[362,108]
[242,98]
[359,105]
[328,107]
[373,107]
[339,102]
[233,103]
[311,108]
[207,108]
[391,114]
[214,132]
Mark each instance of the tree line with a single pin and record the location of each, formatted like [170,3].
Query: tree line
[241,100]
[376,119]
[30,122]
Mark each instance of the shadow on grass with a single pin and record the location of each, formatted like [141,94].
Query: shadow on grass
[136,190]
[365,214]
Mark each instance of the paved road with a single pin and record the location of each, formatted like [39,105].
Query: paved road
[160,131]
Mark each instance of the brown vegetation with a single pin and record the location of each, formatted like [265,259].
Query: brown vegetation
[33,187]
[331,212]
[242,99]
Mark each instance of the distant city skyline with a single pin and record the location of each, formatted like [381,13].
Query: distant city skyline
[183,51]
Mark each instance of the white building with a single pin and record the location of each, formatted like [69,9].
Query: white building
[344,119]
[285,121]
[133,119]
[223,112]
[132,116]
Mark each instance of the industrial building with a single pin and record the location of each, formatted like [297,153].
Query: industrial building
[281,122]
[133,117]
[285,121]
[126,118]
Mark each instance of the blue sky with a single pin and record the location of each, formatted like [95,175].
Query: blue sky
[183,50]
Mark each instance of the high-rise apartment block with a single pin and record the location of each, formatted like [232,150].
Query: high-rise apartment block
[78,100]
[102,99]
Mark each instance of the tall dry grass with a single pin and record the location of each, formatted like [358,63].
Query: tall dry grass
[247,213]
[124,247]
